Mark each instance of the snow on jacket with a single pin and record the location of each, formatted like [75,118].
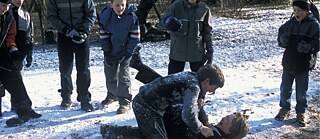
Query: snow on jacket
[77,14]
[189,43]
[308,30]
[176,89]
[7,41]
[119,33]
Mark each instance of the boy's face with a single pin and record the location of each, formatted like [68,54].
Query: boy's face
[207,87]
[226,123]
[17,3]
[119,6]
[299,14]
[3,8]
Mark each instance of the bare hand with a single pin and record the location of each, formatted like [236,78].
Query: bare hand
[206,131]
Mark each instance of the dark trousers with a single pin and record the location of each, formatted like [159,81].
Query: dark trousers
[301,80]
[178,66]
[12,82]
[67,50]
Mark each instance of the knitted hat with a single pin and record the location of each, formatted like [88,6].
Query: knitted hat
[6,1]
[303,4]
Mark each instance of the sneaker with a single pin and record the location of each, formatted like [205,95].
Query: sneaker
[123,109]
[135,61]
[86,106]
[300,119]
[66,103]
[283,113]
[107,102]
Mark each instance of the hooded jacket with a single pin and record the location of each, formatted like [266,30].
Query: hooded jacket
[306,30]
[189,43]
[119,33]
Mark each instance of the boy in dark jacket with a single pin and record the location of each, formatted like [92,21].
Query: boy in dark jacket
[300,38]
[10,77]
[173,122]
[185,89]
[119,35]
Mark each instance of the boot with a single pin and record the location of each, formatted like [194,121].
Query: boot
[146,74]
[87,107]
[24,116]
[66,103]
[283,113]
[301,119]
[135,61]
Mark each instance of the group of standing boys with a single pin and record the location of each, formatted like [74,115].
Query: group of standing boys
[191,34]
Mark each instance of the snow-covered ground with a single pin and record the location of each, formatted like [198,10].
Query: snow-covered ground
[246,51]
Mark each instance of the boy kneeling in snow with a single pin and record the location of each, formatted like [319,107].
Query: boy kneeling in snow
[177,97]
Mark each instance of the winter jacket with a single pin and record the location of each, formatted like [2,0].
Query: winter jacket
[119,33]
[306,30]
[24,38]
[176,89]
[189,43]
[8,33]
[76,14]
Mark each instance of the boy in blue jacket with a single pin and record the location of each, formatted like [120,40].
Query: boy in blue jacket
[119,35]
[300,38]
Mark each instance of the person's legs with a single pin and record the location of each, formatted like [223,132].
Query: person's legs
[124,87]
[302,80]
[83,81]
[195,66]
[65,54]
[150,123]
[175,66]
[285,95]
[145,74]
[13,83]
[110,72]
[143,9]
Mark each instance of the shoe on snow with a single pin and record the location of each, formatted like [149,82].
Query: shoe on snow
[283,113]
[300,119]
[87,107]
[13,122]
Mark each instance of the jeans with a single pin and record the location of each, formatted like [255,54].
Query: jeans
[67,50]
[301,80]
[178,66]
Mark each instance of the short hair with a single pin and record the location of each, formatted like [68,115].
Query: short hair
[212,72]
[239,127]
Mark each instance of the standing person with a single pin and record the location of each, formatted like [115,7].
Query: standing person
[300,38]
[73,19]
[191,33]
[185,89]
[119,34]
[10,76]
[24,40]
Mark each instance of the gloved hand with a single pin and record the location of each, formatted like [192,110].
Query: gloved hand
[284,40]
[79,38]
[107,58]
[126,56]
[172,23]
[304,47]
[209,57]
[29,58]
[14,54]
[72,32]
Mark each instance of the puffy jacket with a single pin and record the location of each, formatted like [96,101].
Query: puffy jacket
[24,36]
[189,43]
[119,33]
[176,89]
[306,30]
[7,42]
[77,14]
